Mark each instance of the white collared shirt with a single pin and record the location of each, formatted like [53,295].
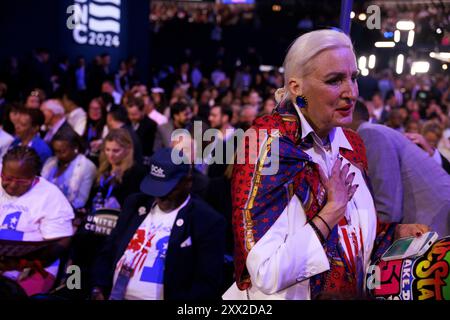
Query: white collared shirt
[159,118]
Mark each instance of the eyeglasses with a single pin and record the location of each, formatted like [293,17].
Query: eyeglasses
[10,179]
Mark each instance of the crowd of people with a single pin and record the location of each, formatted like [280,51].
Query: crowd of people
[86,160]
[432,20]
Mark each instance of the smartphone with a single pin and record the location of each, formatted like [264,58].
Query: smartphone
[410,246]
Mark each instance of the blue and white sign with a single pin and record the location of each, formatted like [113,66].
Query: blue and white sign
[95,22]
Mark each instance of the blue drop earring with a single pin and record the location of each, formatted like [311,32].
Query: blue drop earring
[301,101]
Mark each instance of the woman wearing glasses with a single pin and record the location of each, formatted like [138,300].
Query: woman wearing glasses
[32,209]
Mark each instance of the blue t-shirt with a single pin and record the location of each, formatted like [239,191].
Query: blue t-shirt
[40,146]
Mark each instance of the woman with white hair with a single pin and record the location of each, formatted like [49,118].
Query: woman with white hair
[310,230]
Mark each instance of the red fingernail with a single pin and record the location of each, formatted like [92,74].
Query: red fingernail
[418,234]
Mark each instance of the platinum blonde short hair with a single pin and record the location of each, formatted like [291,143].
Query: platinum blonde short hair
[304,49]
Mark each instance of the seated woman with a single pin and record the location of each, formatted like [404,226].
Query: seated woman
[96,128]
[69,169]
[26,127]
[117,177]
[35,99]
[32,209]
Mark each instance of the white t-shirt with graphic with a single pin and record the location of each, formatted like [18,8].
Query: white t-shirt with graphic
[42,213]
[146,254]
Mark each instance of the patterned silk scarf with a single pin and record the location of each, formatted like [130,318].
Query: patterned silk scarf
[258,200]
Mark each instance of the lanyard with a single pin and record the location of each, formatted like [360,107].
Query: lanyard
[91,133]
[108,181]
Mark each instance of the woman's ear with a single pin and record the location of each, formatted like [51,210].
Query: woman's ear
[295,87]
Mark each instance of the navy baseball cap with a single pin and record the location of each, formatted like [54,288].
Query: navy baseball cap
[164,173]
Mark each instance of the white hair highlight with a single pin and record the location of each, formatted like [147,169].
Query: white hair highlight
[304,49]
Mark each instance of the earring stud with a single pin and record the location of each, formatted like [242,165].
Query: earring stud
[301,101]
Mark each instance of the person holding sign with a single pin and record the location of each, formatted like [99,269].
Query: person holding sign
[32,209]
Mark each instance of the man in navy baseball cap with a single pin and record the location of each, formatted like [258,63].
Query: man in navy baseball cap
[183,236]
[164,174]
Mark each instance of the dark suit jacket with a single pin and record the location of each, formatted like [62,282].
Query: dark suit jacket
[193,272]
[64,127]
[163,135]
[146,133]
[136,144]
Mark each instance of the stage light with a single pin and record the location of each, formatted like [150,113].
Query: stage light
[438,30]
[362,62]
[405,25]
[265,68]
[397,35]
[365,72]
[276,8]
[362,16]
[372,60]
[420,67]
[352,14]
[442,56]
[399,65]
[385,44]
[410,41]
[444,67]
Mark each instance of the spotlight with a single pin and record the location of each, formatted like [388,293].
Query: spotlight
[443,56]
[397,35]
[385,44]
[420,67]
[362,16]
[410,41]
[372,60]
[276,8]
[405,25]
[399,65]
[362,61]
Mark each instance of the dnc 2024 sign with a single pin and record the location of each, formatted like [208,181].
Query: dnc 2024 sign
[95,22]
